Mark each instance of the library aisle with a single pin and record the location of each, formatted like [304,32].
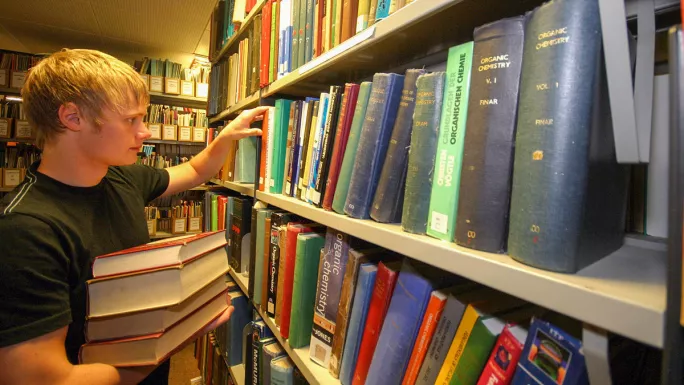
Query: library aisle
[462,192]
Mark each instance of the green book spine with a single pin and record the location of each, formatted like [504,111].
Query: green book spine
[279,146]
[333,23]
[274,41]
[304,289]
[475,355]
[277,136]
[294,16]
[214,212]
[352,143]
[301,35]
[445,183]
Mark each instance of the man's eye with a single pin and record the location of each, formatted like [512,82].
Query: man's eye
[131,120]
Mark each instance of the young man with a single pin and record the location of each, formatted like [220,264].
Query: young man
[84,198]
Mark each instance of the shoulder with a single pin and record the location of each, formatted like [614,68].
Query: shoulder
[27,235]
[133,173]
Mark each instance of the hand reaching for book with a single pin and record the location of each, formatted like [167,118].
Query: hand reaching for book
[240,127]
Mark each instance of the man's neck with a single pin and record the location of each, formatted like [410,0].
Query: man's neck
[71,167]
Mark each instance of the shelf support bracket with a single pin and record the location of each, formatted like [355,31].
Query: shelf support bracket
[595,346]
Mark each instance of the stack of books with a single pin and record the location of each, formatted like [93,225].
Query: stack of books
[144,303]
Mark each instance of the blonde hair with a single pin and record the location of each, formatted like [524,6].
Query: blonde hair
[90,79]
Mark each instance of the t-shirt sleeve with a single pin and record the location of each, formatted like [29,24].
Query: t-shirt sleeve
[34,280]
[151,181]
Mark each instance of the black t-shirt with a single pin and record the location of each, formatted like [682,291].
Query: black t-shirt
[50,233]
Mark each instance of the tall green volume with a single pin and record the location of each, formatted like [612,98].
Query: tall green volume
[307,259]
[279,145]
[444,195]
[352,145]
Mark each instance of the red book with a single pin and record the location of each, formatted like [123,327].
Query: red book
[264,152]
[288,280]
[425,333]
[385,279]
[265,50]
[222,202]
[320,31]
[351,93]
[504,358]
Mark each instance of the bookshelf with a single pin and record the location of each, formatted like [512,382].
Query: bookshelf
[243,188]
[162,235]
[237,36]
[159,141]
[9,91]
[629,281]
[6,140]
[180,101]
[314,374]
[248,102]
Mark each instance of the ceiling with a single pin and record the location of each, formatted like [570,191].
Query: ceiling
[127,29]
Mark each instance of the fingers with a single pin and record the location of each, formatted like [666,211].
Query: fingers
[223,318]
[254,112]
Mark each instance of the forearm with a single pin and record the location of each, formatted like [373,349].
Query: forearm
[209,161]
[100,374]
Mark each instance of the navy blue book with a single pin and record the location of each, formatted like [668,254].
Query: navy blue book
[569,194]
[238,320]
[487,165]
[375,135]
[254,334]
[402,322]
[389,196]
[421,156]
[357,321]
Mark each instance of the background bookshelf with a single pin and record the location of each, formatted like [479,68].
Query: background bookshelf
[180,101]
[242,188]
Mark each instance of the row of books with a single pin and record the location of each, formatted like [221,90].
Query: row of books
[212,367]
[370,316]
[14,67]
[235,77]
[239,165]
[154,298]
[183,116]
[435,151]
[169,77]
[226,19]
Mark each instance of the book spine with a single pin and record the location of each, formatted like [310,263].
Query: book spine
[348,19]
[421,160]
[327,144]
[294,15]
[444,195]
[372,8]
[315,161]
[277,220]
[261,235]
[280,281]
[295,111]
[321,29]
[265,46]
[309,31]
[382,293]
[497,371]
[236,235]
[263,301]
[337,31]
[375,134]
[302,32]
[264,152]
[304,147]
[273,39]
[256,53]
[288,277]
[304,289]
[427,331]
[485,184]
[280,375]
[278,136]
[341,138]
[389,196]
[382,10]
[362,15]
[342,186]
[309,141]
[475,354]
[331,275]
[457,347]
[252,252]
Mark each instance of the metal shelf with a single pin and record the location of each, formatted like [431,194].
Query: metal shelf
[248,102]
[241,280]
[240,32]
[243,188]
[623,293]
[178,100]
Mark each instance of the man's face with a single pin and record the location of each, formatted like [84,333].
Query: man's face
[118,139]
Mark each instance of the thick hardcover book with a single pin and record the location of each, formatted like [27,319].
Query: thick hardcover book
[278,219]
[282,242]
[309,30]
[281,371]
[327,144]
[308,154]
[280,144]
[341,137]
[242,315]
[444,195]
[265,59]
[569,193]
[389,196]
[375,134]
[318,143]
[504,357]
[270,351]
[304,146]
[357,321]
[259,272]
[421,157]
[427,330]
[551,356]
[304,289]
[382,294]
[331,274]
[399,330]
[263,301]
[240,235]
[257,357]
[288,276]
[254,333]
[487,165]
[342,186]
[295,110]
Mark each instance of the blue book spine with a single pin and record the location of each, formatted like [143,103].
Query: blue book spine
[284,121]
[382,11]
[381,114]
[238,320]
[318,143]
[282,371]
[389,197]
[400,329]
[357,320]
[246,158]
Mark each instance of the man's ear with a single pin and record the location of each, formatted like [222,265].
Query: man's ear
[70,117]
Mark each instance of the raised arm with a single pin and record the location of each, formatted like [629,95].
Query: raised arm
[208,162]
